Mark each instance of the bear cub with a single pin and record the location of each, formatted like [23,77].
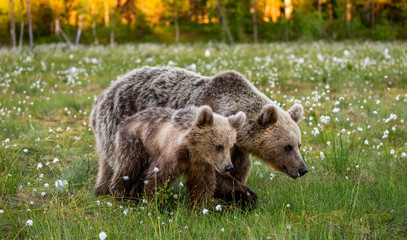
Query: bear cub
[157,145]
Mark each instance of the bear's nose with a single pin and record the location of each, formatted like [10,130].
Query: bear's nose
[228,168]
[302,171]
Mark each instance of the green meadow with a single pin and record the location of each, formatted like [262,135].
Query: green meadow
[354,141]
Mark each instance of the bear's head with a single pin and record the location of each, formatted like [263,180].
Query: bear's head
[213,136]
[274,136]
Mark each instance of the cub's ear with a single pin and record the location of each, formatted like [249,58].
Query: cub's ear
[296,112]
[205,117]
[268,115]
[237,120]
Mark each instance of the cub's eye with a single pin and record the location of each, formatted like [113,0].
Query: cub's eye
[288,148]
[219,147]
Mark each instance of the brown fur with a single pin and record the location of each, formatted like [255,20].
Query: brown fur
[175,143]
[267,132]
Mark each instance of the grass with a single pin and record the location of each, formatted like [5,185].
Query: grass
[354,141]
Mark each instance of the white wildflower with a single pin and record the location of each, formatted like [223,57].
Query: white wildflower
[205,211]
[39,165]
[102,236]
[29,223]
[218,207]
[25,150]
[126,178]
[156,169]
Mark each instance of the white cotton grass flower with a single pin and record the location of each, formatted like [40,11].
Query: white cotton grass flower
[322,155]
[156,169]
[39,166]
[366,142]
[392,151]
[218,207]
[403,155]
[29,223]
[60,183]
[102,235]
[55,160]
[1,211]
[205,211]
[272,176]
[25,150]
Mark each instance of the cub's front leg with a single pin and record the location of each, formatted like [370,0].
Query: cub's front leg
[158,174]
[201,183]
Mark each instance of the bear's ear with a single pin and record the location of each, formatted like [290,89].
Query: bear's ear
[296,112]
[268,115]
[205,117]
[237,120]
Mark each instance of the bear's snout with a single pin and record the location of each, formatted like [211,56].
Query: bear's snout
[229,168]
[302,171]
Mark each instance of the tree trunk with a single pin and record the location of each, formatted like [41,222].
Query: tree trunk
[224,23]
[372,17]
[65,36]
[95,36]
[112,35]
[20,44]
[12,24]
[319,9]
[176,25]
[78,35]
[254,3]
[348,16]
[107,13]
[30,29]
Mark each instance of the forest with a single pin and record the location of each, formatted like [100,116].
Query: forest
[230,21]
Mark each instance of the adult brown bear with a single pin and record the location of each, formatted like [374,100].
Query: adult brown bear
[270,133]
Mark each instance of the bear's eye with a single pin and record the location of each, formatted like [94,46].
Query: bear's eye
[288,148]
[219,147]
[299,146]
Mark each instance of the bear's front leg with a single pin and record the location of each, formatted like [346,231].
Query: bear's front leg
[130,160]
[229,189]
[242,163]
[201,183]
[103,179]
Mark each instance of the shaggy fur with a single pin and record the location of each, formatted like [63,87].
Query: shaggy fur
[157,145]
[269,132]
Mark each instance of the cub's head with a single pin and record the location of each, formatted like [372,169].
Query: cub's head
[274,137]
[213,136]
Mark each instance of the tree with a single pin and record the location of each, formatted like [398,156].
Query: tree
[78,35]
[254,3]
[224,23]
[12,24]
[30,29]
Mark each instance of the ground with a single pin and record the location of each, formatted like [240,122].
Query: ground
[354,142]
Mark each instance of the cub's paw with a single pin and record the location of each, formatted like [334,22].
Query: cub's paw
[247,198]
